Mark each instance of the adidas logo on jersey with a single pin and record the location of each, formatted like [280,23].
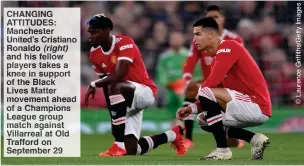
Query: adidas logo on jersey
[104,65]
[126,47]
[118,40]
[225,50]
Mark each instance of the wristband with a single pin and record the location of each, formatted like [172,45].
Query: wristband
[193,108]
[93,84]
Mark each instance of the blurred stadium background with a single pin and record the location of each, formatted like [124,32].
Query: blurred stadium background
[268,30]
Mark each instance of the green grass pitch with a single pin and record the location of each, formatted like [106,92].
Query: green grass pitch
[285,149]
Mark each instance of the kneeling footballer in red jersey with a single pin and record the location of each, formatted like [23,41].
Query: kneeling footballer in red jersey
[205,60]
[235,85]
[128,88]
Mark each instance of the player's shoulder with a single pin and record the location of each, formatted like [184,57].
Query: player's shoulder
[124,42]
[229,43]
[229,35]
[226,46]
[123,39]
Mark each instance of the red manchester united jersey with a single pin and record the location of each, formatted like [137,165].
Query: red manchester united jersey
[235,68]
[123,48]
[204,57]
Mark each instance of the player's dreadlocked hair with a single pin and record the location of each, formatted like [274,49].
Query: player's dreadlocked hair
[214,8]
[100,21]
[207,22]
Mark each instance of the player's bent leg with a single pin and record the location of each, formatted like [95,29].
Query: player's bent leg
[241,112]
[223,97]
[120,96]
[148,143]
[118,115]
[131,144]
[213,116]
[142,98]
[201,121]
[174,136]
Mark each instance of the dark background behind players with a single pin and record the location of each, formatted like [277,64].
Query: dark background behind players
[267,28]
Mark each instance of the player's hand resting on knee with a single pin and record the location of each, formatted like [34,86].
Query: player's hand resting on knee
[183,112]
[201,120]
[90,91]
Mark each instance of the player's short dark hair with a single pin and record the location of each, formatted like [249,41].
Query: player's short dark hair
[100,21]
[207,22]
[214,8]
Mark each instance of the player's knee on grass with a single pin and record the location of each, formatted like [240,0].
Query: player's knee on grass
[131,144]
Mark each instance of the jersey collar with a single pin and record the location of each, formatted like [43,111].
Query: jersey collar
[223,34]
[112,46]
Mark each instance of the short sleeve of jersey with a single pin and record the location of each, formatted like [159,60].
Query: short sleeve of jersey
[126,49]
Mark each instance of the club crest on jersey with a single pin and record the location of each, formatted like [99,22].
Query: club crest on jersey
[224,50]
[126,47]
[114,59]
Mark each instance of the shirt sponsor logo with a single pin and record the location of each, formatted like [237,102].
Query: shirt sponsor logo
[126,47]
[224,50]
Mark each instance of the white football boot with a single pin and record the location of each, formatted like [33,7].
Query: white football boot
[218,155]
[259,143]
